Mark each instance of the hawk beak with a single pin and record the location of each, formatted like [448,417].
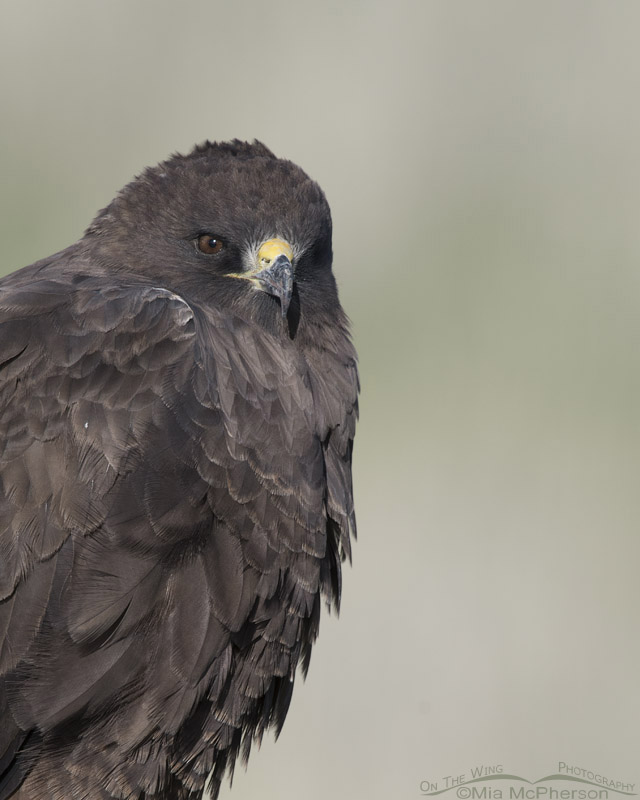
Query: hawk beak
[277,279]
[274,271]
[274,274]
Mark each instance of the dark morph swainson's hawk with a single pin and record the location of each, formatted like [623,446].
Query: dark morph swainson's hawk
[178,397]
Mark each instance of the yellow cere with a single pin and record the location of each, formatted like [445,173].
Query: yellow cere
[272,249]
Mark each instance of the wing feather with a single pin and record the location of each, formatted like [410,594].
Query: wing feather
[175,495]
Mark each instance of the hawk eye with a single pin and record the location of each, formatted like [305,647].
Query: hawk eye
[209,244]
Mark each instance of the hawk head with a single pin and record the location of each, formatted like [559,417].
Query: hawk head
[230,224]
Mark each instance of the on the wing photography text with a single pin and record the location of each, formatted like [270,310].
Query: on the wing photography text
[493,783]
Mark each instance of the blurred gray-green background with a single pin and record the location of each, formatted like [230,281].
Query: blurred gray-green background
[482,161]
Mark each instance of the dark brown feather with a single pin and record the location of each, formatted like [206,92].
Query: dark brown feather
[175,484]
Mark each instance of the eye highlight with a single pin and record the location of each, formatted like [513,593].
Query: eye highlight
[209,244]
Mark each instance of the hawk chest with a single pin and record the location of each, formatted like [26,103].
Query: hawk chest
[263,459]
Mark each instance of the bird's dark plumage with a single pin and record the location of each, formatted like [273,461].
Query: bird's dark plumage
[175,479]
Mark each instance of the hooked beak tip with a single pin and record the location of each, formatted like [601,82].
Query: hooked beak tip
[277,280]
